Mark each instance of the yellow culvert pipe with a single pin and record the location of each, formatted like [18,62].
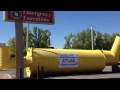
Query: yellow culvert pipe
[85,60]
[64,60]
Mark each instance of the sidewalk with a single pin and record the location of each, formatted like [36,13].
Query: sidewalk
[9,74]
[5,76]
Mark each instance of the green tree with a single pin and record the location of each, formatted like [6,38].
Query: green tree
[37,38]
[11,43]
[107,41]
[75,44]
[99,40]
[82,40]
[68,43]
[45,38]
[40,38]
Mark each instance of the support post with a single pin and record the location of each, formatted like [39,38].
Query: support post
[19,49]
[38,73]
[20,72]
[42,73]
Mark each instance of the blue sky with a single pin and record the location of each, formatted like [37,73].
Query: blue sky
[67,22]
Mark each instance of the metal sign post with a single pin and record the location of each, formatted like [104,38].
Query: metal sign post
[19,50]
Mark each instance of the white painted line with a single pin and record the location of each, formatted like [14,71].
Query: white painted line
[9,76]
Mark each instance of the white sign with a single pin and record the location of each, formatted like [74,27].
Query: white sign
[67,60]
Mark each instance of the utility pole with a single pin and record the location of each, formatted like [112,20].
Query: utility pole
[49,33]
[27,32]
[92,37]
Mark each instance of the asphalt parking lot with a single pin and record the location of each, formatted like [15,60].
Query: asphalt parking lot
[106,74]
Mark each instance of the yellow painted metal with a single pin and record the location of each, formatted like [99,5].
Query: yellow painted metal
[88,60]
[116,46]
[4,54]
[28,71]
[112,56]
[7,62]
